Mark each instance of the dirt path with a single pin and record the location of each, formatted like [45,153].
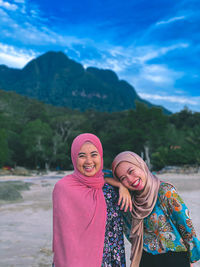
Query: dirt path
[26,228]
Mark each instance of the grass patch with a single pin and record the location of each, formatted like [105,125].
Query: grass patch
[10,190]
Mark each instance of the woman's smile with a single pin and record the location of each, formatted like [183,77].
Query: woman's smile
[136,183]
[88,168]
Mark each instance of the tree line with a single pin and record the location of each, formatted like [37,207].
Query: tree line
[37,135]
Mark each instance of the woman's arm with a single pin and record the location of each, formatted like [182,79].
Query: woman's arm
[124,195]
[179,214]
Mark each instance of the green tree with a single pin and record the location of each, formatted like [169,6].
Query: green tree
[193,140]
[185,119]
[16,148]
[37,140]
[36,110]
[65,127]
[159,158]
[4,151]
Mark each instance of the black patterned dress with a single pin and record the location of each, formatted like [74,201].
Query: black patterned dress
[114,251]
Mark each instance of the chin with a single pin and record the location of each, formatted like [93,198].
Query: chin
[140,188]
[90,174]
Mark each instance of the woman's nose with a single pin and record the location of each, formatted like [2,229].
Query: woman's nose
[88,159]
[128,177]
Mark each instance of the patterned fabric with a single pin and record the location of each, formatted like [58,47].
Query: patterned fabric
[169,226]
[114,252]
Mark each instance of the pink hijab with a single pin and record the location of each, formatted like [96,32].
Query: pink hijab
[79,214]
[143,202]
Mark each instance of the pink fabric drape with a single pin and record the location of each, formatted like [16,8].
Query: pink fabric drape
[79,214]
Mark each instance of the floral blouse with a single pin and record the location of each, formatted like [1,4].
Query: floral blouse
[169,226]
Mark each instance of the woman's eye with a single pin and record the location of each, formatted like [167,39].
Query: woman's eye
[94,155]
[81,156]
[130,171]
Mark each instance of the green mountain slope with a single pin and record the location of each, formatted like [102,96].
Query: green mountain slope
[55,79]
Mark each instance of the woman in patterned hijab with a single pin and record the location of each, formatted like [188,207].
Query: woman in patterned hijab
[158,227]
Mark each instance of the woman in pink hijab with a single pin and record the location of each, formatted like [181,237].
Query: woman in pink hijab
[79,208]
[87,232]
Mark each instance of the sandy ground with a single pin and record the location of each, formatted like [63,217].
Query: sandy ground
[26,226]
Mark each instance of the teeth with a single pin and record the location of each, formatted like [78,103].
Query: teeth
[136,183]
[88,167]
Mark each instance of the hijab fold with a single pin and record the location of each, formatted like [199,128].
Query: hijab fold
[79,214]
[143,202]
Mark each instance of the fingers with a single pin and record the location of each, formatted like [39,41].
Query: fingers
[123,204]
[127,205]
[120,199]
[130,205]
[124,201]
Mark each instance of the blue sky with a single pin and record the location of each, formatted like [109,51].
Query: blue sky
[154,45]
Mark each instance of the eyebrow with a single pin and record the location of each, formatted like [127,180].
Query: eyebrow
[82,153]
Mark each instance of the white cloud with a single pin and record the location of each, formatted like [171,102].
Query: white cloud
[159,74]
[29,28]
[19,1]
[8,6]
[7,24]
[119,59]
[13,57]
[175,99]
[107,63]
[116,51]
[180,92]
[146,53]
[2,12]
[171,20]
[132,64]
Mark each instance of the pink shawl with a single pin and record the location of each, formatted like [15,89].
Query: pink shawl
[143,203]
[79,214]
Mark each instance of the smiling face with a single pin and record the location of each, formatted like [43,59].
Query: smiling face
[89,160]
[131,176]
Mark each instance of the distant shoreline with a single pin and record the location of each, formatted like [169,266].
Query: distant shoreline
[164,176]
[12,177]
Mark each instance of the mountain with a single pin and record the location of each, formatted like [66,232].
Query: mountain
[55,79]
